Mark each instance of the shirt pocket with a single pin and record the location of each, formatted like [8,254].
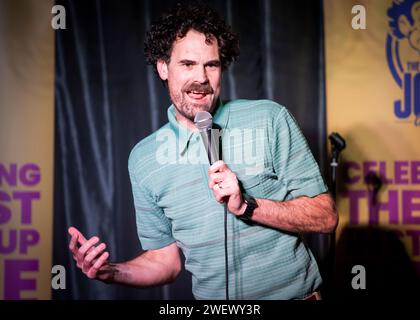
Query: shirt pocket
[251,185]
[272,187]
[265,186]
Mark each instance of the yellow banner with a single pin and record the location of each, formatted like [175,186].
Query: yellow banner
[373,101]
[26,148]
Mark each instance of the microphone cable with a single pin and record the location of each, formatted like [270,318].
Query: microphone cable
[226,252]
[203,121]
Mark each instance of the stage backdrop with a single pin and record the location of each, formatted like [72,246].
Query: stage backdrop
[373,100]
[26,148]
[107,100]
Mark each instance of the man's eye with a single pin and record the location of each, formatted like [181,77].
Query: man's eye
[213,66]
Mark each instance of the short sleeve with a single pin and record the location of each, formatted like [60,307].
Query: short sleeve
[293,161]
[153,227]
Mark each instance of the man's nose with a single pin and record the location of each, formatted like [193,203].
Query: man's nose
[201,74]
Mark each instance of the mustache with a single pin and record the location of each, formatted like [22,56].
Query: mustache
[198,87]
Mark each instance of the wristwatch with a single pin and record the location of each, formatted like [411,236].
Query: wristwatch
[251,204]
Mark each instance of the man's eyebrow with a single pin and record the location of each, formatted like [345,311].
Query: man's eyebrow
[215,62]
[186,61]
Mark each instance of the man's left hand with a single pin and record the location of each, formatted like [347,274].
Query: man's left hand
[225,186]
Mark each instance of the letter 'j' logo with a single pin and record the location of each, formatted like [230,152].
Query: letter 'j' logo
[403,53]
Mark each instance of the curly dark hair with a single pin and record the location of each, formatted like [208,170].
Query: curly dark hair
[181,19]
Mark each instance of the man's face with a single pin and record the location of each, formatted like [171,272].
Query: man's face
[193,74]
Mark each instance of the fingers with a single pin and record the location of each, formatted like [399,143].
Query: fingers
[73,243]
[92,272]
[225,189]
[80,254]
[218,166]
[72,231]
[215,178]
[87,246]
[219,194]
[76,237]
[91,256]
[221,176]
[222,181]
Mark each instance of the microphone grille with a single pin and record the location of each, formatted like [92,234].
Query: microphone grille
[203,120]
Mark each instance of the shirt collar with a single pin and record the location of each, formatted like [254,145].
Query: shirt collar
[183,135]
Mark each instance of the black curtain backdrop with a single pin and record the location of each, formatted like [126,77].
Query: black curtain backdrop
[107,99]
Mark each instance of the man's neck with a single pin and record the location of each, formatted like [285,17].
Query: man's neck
[189,124]
[185,122]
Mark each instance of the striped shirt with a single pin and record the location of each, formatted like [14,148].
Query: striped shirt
[263,145]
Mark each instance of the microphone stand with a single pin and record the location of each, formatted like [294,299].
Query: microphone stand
[337,145]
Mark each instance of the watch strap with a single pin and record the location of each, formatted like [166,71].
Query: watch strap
[251,204]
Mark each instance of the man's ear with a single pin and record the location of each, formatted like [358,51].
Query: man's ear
[162,68]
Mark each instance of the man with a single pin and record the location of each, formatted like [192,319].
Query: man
[179,199]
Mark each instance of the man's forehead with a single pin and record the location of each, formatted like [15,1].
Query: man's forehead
[195,41]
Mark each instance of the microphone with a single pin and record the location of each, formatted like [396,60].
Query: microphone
[338,143]
[204,122]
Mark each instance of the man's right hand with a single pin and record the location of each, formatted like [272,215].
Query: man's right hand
[91,259]
[149,268]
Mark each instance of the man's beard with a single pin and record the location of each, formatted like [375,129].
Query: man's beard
[188,109]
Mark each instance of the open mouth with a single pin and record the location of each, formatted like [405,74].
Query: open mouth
[197,95]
